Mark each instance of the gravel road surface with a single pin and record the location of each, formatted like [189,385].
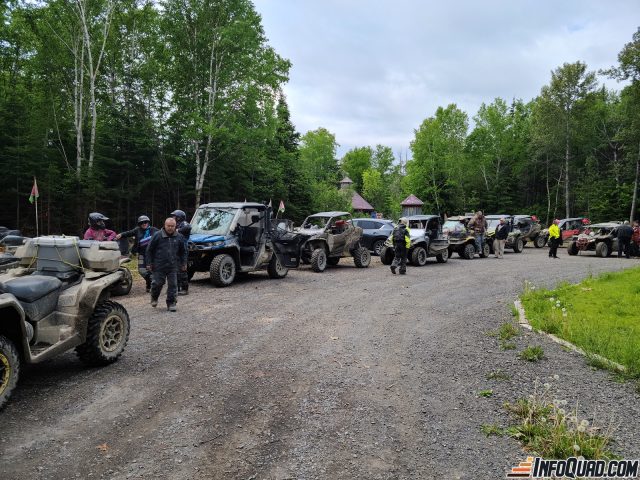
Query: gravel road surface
[353,373]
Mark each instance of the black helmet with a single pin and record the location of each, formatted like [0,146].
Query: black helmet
[179,215]
[143,219]
[96,220]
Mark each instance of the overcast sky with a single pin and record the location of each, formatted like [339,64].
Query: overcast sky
[370,71]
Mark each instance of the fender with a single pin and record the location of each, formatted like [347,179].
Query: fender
[12,324]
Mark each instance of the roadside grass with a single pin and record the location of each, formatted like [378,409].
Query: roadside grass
[532,354]
[599,315]
[498,375]
[545,427]
[485,393]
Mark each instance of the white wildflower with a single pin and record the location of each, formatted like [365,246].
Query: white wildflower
[581,428]
[547,385]
[552,299]
[561,411]
[576,447]
[556,377]
[584,423]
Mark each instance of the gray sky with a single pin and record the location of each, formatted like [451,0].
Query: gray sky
[370,71]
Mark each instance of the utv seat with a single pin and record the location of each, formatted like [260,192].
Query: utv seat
[37,294]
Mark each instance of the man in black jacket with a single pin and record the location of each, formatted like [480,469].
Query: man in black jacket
[166,254]
[502,232]
[184,228]
[625,232]
[142,235]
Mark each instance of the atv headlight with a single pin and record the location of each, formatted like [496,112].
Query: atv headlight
[213,244]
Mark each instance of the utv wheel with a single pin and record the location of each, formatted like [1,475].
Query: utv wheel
[573,249]
[519,245]
[377,247]
[107,334]
[222,270]
[540,241]
[386,255]
[469,251]
[9,369]
[319,260]
[275,269]
[333,261]
[602,250]
[419,257]
[443,257]
[124,287]
[486,251]
[361,257]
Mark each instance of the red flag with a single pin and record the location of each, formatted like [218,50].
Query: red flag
[34,191]
[281,206]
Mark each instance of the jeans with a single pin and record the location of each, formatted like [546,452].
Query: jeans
[479,242]
[400,258]
[498,248]
[158,280]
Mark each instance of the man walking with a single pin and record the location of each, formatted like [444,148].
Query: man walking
[184,228]
[554,239]
[625,232]
[502,232]
[166,254]
[401,238]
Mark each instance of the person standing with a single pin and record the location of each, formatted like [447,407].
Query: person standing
[166,255]
[502,232]
[184,228]
[635,239]
[625,232]
[479,226]
[141,237]
[97,229]
[401,238]
[554,239]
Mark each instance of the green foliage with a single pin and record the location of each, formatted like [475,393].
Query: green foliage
[355,163]
[532,354]
[485,393]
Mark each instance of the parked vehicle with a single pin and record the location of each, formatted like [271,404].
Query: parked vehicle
[427,240]
[374,232]
[600,238]
[568,227]
[8,246]
[330,236]
[515,240]
[462,239]
[59,298]
[240,237]
[530,230]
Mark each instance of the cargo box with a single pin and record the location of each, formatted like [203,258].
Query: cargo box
[99,256]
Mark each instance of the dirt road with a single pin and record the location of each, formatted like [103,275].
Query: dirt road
[347,374]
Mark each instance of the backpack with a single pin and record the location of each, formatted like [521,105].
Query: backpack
[398,236]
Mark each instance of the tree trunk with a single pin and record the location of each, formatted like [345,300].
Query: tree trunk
[566,175]
[635,187]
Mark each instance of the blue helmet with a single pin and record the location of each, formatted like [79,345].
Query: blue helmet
[179,215]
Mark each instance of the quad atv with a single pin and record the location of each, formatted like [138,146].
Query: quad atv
[462,239]
[228,239]
[58,298]
[427,240]
[330,236]
[601,238]
[530,230]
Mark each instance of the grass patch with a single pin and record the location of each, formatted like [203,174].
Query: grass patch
[485,393]
[492,429]
[132,266]
[498,375]
[507,346]
[507,332]
[598,315]
[547,429]
[532,354]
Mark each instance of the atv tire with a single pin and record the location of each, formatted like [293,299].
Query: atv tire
[124,286]
[518,246]
[319,260]
[386,255]
[572,249]
[222,270]
[469,251]
[275,269]
[540,241]
[602,250]
[9,369]
[361,257]
[443,257]
[419,257]
[107,334]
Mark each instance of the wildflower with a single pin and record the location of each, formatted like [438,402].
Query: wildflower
[552,299]
[564,309]
[546,385]
[558,304]
[561,411]
[584,423]
[563,402]
[556,377]
[543,419]
[581,428]
[576,447]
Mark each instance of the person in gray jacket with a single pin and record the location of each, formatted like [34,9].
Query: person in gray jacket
[166,254]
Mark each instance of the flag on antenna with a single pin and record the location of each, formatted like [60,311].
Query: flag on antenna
[281,206]
[34,191]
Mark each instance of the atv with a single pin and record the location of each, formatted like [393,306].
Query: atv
[427,240]
[59,298]
[330,236]
[530,230]
[515,240]
[228,239]
[462,239]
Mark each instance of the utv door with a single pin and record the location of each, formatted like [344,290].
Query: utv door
[287,248]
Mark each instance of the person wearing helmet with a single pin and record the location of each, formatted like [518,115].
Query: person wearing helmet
[97,229]
[401,238]
[141,237]
[183,228]
[555,239]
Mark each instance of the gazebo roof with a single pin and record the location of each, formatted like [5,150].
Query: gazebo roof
[359,203]
[346,180]
[412,201]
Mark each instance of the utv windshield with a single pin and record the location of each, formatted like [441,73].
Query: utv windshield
[453,226]
[493,223]
[213,221]
[315,223]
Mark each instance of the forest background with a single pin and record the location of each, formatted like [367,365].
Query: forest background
[133,107]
